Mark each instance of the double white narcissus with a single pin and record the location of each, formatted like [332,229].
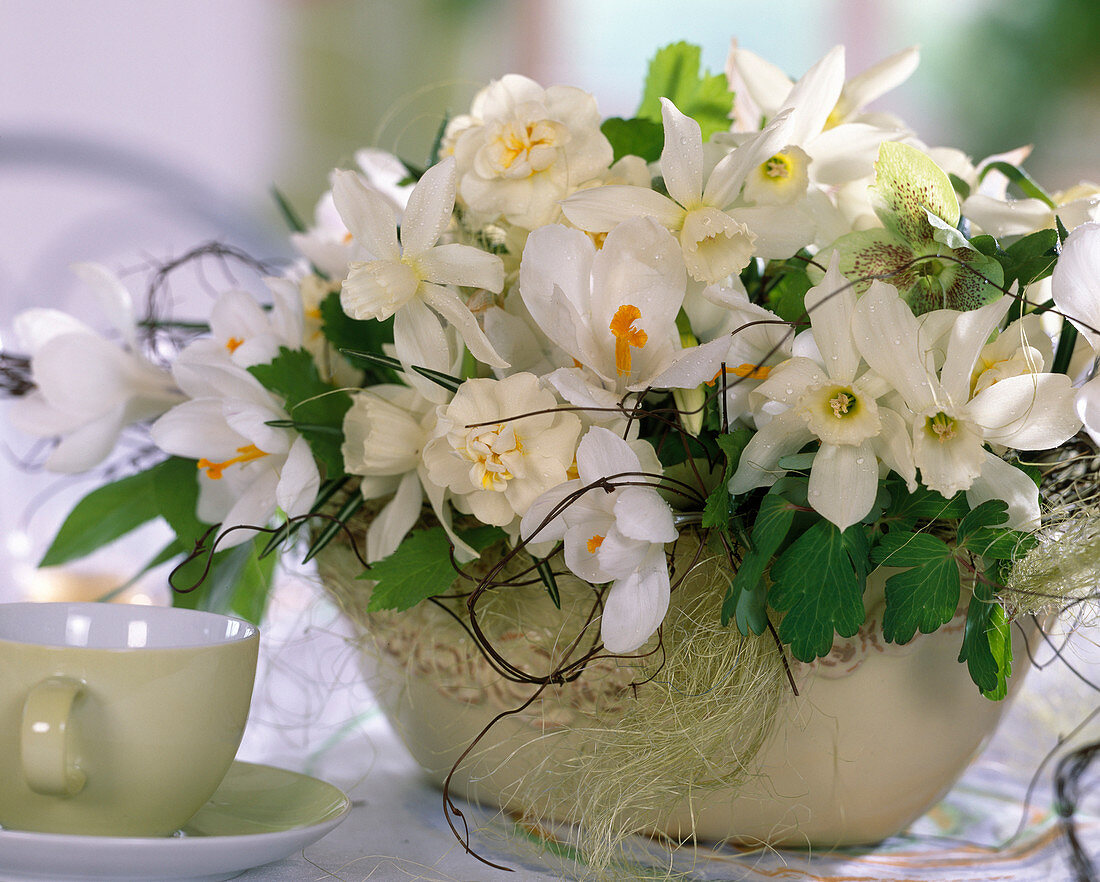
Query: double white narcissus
[1075,288]
[950,425]
[248,469]
[826,397]
[498,445]
[615,532]
[88,389]
[409,279]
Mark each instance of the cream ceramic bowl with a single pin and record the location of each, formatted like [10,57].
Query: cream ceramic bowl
[118,719]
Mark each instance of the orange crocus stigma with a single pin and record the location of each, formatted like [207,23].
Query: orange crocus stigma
[626,335]
[214,469]
[745,371]
[594,543]
[232,343]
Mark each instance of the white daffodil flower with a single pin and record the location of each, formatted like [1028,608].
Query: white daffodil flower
[409,279]
[614,533]
[88,388]
[1032,411]
[716,241]
[522,149]
[1001,216]
[247,469]
[1075,287]
[500,444]
[328,244]
[245,333]
[828,398]
[613,310]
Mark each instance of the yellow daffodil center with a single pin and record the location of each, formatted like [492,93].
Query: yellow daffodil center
[233,343]
[626,335]
[494,452]
[214,470]
[942,426]
[521,148]
[594,543]
[778,167]
[842,404]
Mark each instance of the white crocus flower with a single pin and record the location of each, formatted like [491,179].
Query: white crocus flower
[829,399]
[1032,411]
[88,388]
[247,469]
[409,279]
[716,241]
[500,444]
[1075,288]
[613,533]
[612,310]
[759,341]
[243,332]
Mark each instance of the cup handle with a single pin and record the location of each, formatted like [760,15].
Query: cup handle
[46,717]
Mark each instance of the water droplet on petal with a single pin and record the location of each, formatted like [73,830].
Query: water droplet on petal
[859,460]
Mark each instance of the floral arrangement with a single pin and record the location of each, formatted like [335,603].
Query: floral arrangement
[755,314]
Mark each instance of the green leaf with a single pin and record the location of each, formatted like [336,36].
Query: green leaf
[421,567]
[311,403]
[344,332]
[634,137]
[746,595]
[815,581]
[907,185]
[176,491]
[289,215]
[987,643]
[981,532]
[238,583]
[922,504]
[787,297]
[1021,179]
[1030,259]
[674,73]
[716,512]
[104,515]
[924,596]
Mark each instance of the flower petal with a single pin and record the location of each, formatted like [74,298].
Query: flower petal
[635,606]
[1088,408]
[600,209]
[844,482]
[392,524]
[464,265]
[830,305]
[999,480]
[1028,412]
[1075,285]
[641,514]
[682,155]
[367,215]
[783,435]
[969,333]
[429,208]
[449,305]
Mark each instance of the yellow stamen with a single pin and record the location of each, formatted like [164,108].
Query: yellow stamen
[842,404]
[745,371]
[594,543]
[942,426]
[214,469]
[779,166]
[232,343]
[314,313]
[626,336]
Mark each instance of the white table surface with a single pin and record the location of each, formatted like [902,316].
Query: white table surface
[312,713]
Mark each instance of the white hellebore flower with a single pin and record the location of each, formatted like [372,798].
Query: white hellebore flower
[498,445]
[615,536]
[88,388]
[1075,288]
[523,148]
[247,469]
[950,423]
[408,279]
[829,399]
[715,242]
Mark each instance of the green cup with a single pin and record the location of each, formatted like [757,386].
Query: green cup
[115,719]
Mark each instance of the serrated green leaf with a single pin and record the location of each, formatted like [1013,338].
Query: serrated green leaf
[815,581]
[421,567]
[311,402]
[716,512]
[745,598]
[104,515]
[634,137]
[924,596]
[674,73]
[344,332]
[991,513]
[923,504]
[981,533]
[987,643]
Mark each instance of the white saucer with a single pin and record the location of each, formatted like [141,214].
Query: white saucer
[259,814]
